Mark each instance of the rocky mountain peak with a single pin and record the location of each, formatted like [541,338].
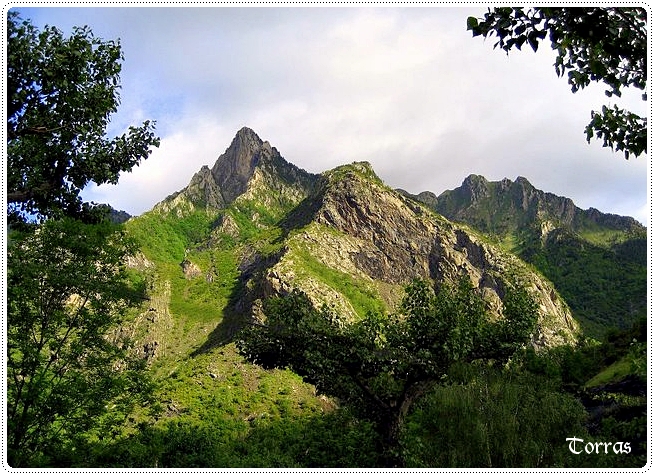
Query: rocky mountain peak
[234,168]
[596,260]
[522,181]
[475,187]
[247,163]
[347,236]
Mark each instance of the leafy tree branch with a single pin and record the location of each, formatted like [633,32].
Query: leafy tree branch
[67,289]
[600,44]
[61,93]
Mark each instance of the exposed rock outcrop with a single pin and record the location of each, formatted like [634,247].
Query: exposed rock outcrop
[190,269]
[364,229]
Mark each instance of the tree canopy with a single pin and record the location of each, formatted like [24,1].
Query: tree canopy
[599,44]
[382,364]
[61,92]
[68,368]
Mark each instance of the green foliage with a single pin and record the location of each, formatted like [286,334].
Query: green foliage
[258,227]
[492,418]
[381,365]
[619,129]
[252,219]
[623,354]
[218,411]
[60,95]
[590,362]
[360,294]
[331,440]
[593,44]
[604,286]
[66,290]
[203,298]
[609,379]
[166,238]
[616,372]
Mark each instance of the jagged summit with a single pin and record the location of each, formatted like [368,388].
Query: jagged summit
[585,253]
[234,168]
[491,206]
[248,163]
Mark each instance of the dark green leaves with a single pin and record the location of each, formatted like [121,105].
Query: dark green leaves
[61,93]
[607,45]
[66,292]
[473,25]
[620,130]
[381,364]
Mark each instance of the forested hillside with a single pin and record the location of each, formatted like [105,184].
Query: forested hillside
[597,261]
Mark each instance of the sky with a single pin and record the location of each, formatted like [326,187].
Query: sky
[406,88]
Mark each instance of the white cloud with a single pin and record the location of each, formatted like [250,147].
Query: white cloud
[168,169]
[408,89]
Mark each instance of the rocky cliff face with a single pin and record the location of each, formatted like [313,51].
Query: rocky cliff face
[362,228]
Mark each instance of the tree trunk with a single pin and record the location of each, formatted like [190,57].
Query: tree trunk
[390,430]
[393,423]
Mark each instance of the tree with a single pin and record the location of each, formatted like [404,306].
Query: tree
[60,95]
[69,370]
[597,44]
[383,364]
[67,373]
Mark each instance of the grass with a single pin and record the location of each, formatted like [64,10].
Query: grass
[165,238]
[202,298]
[359,292]
[613,373]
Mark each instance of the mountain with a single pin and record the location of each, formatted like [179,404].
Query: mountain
[365,240]
[249,167]
[596,260]
[504,206]
[118,216]
[254,225]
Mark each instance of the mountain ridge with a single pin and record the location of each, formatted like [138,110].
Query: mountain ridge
[585,253]
[343,237]
[477,200]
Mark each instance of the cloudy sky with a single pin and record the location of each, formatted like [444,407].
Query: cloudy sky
[405,88]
